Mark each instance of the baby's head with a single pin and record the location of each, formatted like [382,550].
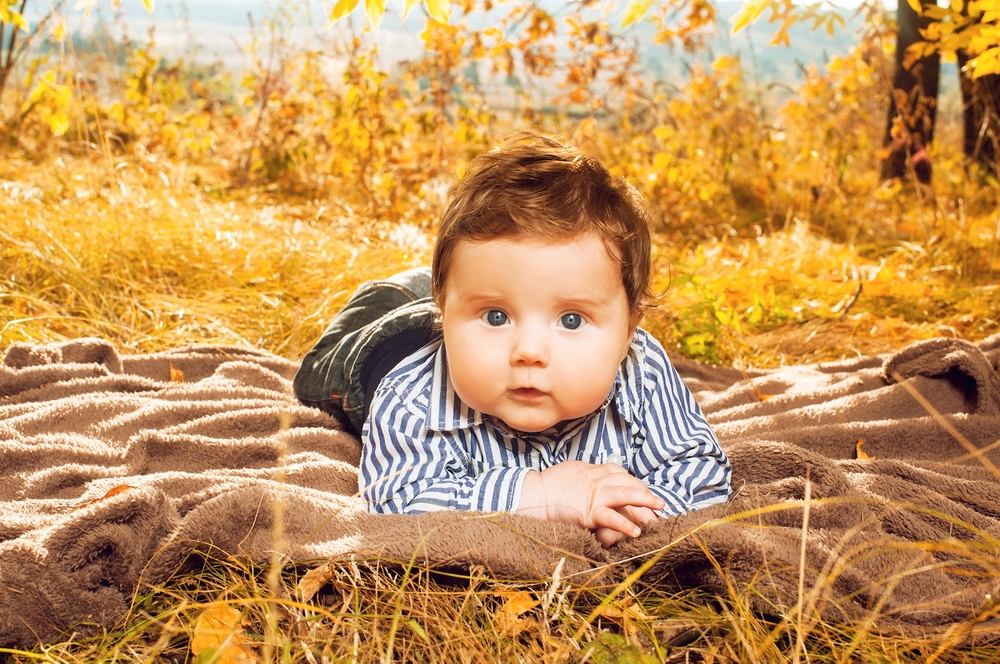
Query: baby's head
[541,271]
[536,188]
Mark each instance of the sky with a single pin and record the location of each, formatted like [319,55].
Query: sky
[220,29]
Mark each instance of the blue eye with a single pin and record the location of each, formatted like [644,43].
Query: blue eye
[571,321]
[495,318]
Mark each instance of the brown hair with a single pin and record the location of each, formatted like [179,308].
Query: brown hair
[540,188]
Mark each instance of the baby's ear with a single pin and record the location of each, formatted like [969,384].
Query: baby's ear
[634,321]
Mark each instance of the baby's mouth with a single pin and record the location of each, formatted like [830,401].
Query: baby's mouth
[527,393]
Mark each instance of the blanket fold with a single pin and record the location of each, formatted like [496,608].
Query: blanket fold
[118,471]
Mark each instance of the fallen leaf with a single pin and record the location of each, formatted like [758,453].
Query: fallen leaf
[760,396]
[313,580]
[509,620]
[861,454]
[121,488]
[218,634]
[176,375]
[626,615]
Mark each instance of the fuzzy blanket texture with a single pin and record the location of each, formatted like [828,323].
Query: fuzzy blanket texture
[119,471]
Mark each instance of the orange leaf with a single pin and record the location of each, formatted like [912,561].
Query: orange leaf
[861,454]
[509,620]
[121,488]
[218,632]
[176,375]
[760,396]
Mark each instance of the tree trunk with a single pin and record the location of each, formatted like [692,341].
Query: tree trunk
[980,118]
[913,104]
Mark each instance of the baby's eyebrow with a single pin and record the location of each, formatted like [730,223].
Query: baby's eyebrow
[483,298]
[583,301]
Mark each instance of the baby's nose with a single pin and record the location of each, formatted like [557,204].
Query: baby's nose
[530,347]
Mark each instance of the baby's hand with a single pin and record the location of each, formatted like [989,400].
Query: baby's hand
[592,496]
[637,515]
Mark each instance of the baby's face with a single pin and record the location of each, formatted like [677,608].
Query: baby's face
[534,331]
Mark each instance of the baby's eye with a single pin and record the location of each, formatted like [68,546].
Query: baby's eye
[571,321]
[495,318]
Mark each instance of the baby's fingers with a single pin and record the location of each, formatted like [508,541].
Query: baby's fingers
[608,537]
[608,519]
[631,496]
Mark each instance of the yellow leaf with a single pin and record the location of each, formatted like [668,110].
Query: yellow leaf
[749,12]
[342,9]
[59,31]
[58,123]
[149,5]
[219,634]
[375,10]
[956,6]
[16,18]
[635,11]
[626,615]
[176,375]
[915,6]
[985,63]
[439,10]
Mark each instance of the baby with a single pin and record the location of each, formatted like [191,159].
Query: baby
[514,377]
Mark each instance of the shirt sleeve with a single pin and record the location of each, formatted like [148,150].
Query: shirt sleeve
[680,458]
[408,469]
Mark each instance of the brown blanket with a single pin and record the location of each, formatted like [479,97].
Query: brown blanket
[112,475]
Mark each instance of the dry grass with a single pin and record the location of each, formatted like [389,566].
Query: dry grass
[381,611]
[137,253]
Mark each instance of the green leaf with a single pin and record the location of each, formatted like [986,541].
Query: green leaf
[341,9]
[635,11]
[375,10]
[439,10]
[415,626]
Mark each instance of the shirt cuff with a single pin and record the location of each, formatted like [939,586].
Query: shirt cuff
[499,489]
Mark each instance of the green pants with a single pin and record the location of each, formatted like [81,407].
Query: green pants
[382,323]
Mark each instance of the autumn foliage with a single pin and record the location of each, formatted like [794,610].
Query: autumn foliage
[157,201]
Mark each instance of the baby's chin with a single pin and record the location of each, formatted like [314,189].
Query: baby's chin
[531,425]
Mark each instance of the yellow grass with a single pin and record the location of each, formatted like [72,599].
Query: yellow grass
[137,253]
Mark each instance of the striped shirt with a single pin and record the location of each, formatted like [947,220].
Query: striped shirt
[425,450]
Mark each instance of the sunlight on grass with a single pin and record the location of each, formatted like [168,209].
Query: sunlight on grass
[165,264]
[183,208]
[367,609]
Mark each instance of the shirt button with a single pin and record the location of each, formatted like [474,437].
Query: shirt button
[615,459]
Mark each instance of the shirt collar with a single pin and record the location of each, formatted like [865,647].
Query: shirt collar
[446,412]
